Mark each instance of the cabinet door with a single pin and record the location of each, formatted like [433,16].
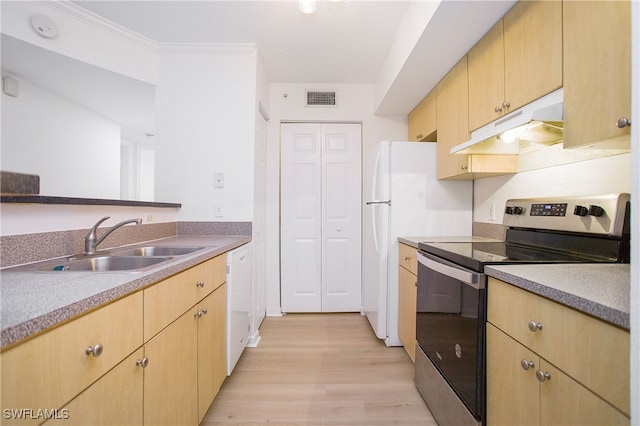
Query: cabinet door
[453,120]
[422,120]
[407,310]
[597,73]
[512,391]
[170,391]
[532,51]
[212,353]
[47,371]
[486,78]
[170,298]
[564,401]
[115,399]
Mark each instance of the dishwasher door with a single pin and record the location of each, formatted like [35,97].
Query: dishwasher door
[239,275]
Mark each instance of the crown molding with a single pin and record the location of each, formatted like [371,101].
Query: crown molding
[208,48]
[101,23]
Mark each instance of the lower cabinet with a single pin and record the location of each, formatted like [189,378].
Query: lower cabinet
[407,296]
[549,364]
[98,370]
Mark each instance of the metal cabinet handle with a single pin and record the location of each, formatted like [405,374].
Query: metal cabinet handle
[95,350]
[542,376]
[526,364]
[497,109]
[407,258]
[419,136]
[200,284]
[142,362]
[464,167]
[623,122]
[200,313]
[534,326]
[506,105]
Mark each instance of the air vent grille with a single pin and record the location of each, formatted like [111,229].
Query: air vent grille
[321,98]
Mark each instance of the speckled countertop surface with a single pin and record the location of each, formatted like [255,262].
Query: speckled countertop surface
[34,301]
[600,290]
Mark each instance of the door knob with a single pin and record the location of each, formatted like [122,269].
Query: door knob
[95,350]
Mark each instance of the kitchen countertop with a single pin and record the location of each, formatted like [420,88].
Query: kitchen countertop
[600,290]
[413,241]
[35,301]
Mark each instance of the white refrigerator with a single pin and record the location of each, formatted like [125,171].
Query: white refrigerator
[405,200]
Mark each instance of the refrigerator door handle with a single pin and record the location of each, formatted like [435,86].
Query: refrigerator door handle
[387,202]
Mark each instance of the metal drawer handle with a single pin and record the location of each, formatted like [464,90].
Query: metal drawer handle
[534,326]
[623,122]
[527,364]
[407,258]
[201,312]
[542,376]
[95,350]
[142,362]
[200,284]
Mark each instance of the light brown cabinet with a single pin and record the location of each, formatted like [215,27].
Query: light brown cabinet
[550,364]
[407,297]
[46,372]
[453,128]
[516,62]
[597,73]
[422,120]
[100,369]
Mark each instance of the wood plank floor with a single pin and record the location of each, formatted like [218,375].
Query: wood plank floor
[320,369]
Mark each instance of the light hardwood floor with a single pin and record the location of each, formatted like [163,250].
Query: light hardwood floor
[320,369]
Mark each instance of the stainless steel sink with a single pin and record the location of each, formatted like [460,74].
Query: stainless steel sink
[159,251]
[98,264]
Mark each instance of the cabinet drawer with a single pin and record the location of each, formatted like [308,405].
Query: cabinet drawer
[170,298]
[408,258]
[589,350]
[47,371]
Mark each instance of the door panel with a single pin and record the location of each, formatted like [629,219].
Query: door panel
[320,217]
[300,218]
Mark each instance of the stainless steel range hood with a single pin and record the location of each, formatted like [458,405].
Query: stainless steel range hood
[530,128]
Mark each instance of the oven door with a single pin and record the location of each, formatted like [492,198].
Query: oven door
[450,322]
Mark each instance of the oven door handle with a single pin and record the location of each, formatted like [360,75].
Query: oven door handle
[470,278]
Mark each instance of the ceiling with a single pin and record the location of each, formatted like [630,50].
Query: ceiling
[342,42]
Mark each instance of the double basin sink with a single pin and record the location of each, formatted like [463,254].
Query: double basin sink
[125,259]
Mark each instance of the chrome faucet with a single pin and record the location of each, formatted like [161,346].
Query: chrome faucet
[91,241]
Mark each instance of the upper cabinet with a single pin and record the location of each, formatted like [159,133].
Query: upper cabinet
[422,120]
[452,116]
[597,73]
[516,62]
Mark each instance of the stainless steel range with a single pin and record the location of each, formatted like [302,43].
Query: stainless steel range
[451,306]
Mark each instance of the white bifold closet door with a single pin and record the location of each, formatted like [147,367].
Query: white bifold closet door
[320,216]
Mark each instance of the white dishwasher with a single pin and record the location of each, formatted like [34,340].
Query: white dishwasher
[239,274]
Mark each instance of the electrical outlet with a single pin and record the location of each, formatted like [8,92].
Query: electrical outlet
[218,210]
[219,180]
[149,218]
[492,211]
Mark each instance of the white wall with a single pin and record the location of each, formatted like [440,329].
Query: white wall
[84,36]
[46,135]
[599,176]
[205,105]
[355,104]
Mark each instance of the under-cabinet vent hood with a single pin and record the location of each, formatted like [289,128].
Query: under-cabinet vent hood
[530,128]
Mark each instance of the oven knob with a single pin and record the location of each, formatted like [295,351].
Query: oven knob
[580,211]
[508,210]
[596,211]
[517,210]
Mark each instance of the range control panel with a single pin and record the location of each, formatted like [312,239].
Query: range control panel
[600,214]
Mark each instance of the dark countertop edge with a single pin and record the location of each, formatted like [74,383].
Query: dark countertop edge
[16,334]
[595,309]
[47,199]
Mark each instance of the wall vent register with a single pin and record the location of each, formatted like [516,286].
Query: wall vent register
[318,98]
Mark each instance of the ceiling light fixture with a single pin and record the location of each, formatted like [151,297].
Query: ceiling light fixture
[307,6]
